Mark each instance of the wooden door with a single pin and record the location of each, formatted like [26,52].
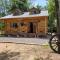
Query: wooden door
[32,27]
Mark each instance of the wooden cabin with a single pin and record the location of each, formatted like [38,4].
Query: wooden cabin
[26,25]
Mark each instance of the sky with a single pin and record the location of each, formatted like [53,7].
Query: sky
[39,2]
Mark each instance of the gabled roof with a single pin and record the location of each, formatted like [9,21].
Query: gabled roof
[26,14]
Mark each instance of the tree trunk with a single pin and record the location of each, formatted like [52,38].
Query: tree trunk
[57,2]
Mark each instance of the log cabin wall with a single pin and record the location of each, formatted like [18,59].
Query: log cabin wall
[39,24]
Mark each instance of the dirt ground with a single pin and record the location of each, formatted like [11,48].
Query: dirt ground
[11,51]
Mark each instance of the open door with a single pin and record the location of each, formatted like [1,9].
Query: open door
[32,27]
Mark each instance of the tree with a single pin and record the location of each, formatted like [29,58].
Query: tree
[38,6]
[52,14]
[57,4]
[4,6]
[45,7]
[22,5]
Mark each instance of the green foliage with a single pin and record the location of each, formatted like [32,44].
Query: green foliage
[21,4]
[4,6]
[38,6]
[10,5]
[45,7]
[2,14]
[52,14]
[2,25]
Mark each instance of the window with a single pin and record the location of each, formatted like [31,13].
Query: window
[34,12]
[22,23]
[15,25]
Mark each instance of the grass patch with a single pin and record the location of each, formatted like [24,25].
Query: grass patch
[45,46]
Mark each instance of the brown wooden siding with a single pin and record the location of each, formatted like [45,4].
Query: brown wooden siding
[40,24]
